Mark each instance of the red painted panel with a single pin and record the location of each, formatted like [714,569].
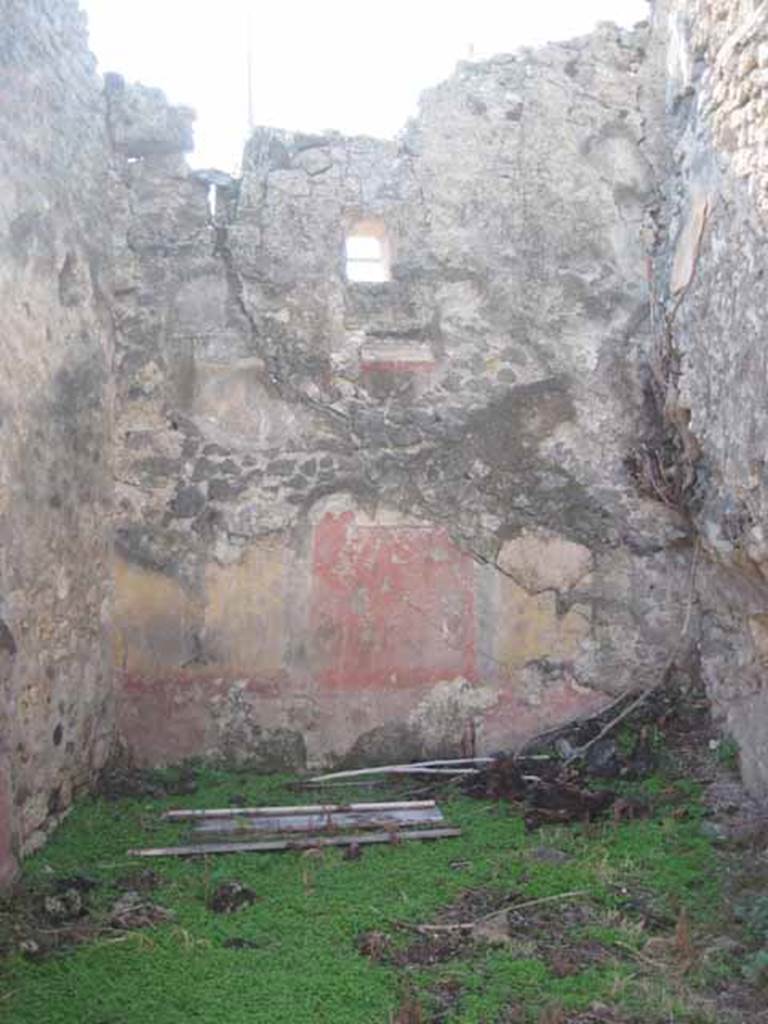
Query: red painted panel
[514,718]
[397,366]
[166,718]
[392,606]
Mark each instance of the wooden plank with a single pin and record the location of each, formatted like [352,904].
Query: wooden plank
[254,812]
[333,821]
[308,843]
[451,766]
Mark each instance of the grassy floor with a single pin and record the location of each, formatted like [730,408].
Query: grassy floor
[306,967]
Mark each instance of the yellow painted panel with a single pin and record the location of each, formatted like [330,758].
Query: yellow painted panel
[244,612]
[528,627]
[155,619]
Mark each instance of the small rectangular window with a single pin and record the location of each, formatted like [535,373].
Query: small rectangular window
[367,254]
[364,248]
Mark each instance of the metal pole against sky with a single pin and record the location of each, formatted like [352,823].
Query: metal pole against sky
[249,62]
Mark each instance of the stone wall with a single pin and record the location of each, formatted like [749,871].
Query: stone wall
[56,713]
[713,294]
[363,520]
[375,520]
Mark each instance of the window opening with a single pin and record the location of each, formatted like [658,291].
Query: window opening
[367,254]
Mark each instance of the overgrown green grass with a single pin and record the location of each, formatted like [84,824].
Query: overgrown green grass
[305,967]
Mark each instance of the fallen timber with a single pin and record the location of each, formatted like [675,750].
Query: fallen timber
[308,843]
[271,812]
[332,821]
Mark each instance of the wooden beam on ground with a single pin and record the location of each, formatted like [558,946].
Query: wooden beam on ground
[333,821]
[267,812]
[308,843]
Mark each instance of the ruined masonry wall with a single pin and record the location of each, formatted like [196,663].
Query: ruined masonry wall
[358,522]
[371,521]
[56,710]
[711,261]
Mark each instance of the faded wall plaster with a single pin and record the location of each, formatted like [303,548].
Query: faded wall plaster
[56,707]
[337,499]
[357,522]
[710,261]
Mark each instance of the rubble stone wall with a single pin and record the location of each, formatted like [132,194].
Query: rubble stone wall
[354,521]
[376,520]
[56,710]
[711,264]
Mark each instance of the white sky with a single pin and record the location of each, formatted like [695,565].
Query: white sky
[354,65]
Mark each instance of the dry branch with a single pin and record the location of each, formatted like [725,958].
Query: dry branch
[451,766]
[582,750]
[469,925]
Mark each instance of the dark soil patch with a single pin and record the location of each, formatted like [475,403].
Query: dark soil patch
[445,997]
[373,945]
[237,943]
[37,920]
[119,780]
[140,881]
[409,1011]
[230,897]
[596,1015]
[80,883]
[39,944]
[551,920]
[424,951]
[428,950]
[556,935]
[643,906]
[572,957]
[65,905]
[740,1002]
[133,911]
[472,904]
